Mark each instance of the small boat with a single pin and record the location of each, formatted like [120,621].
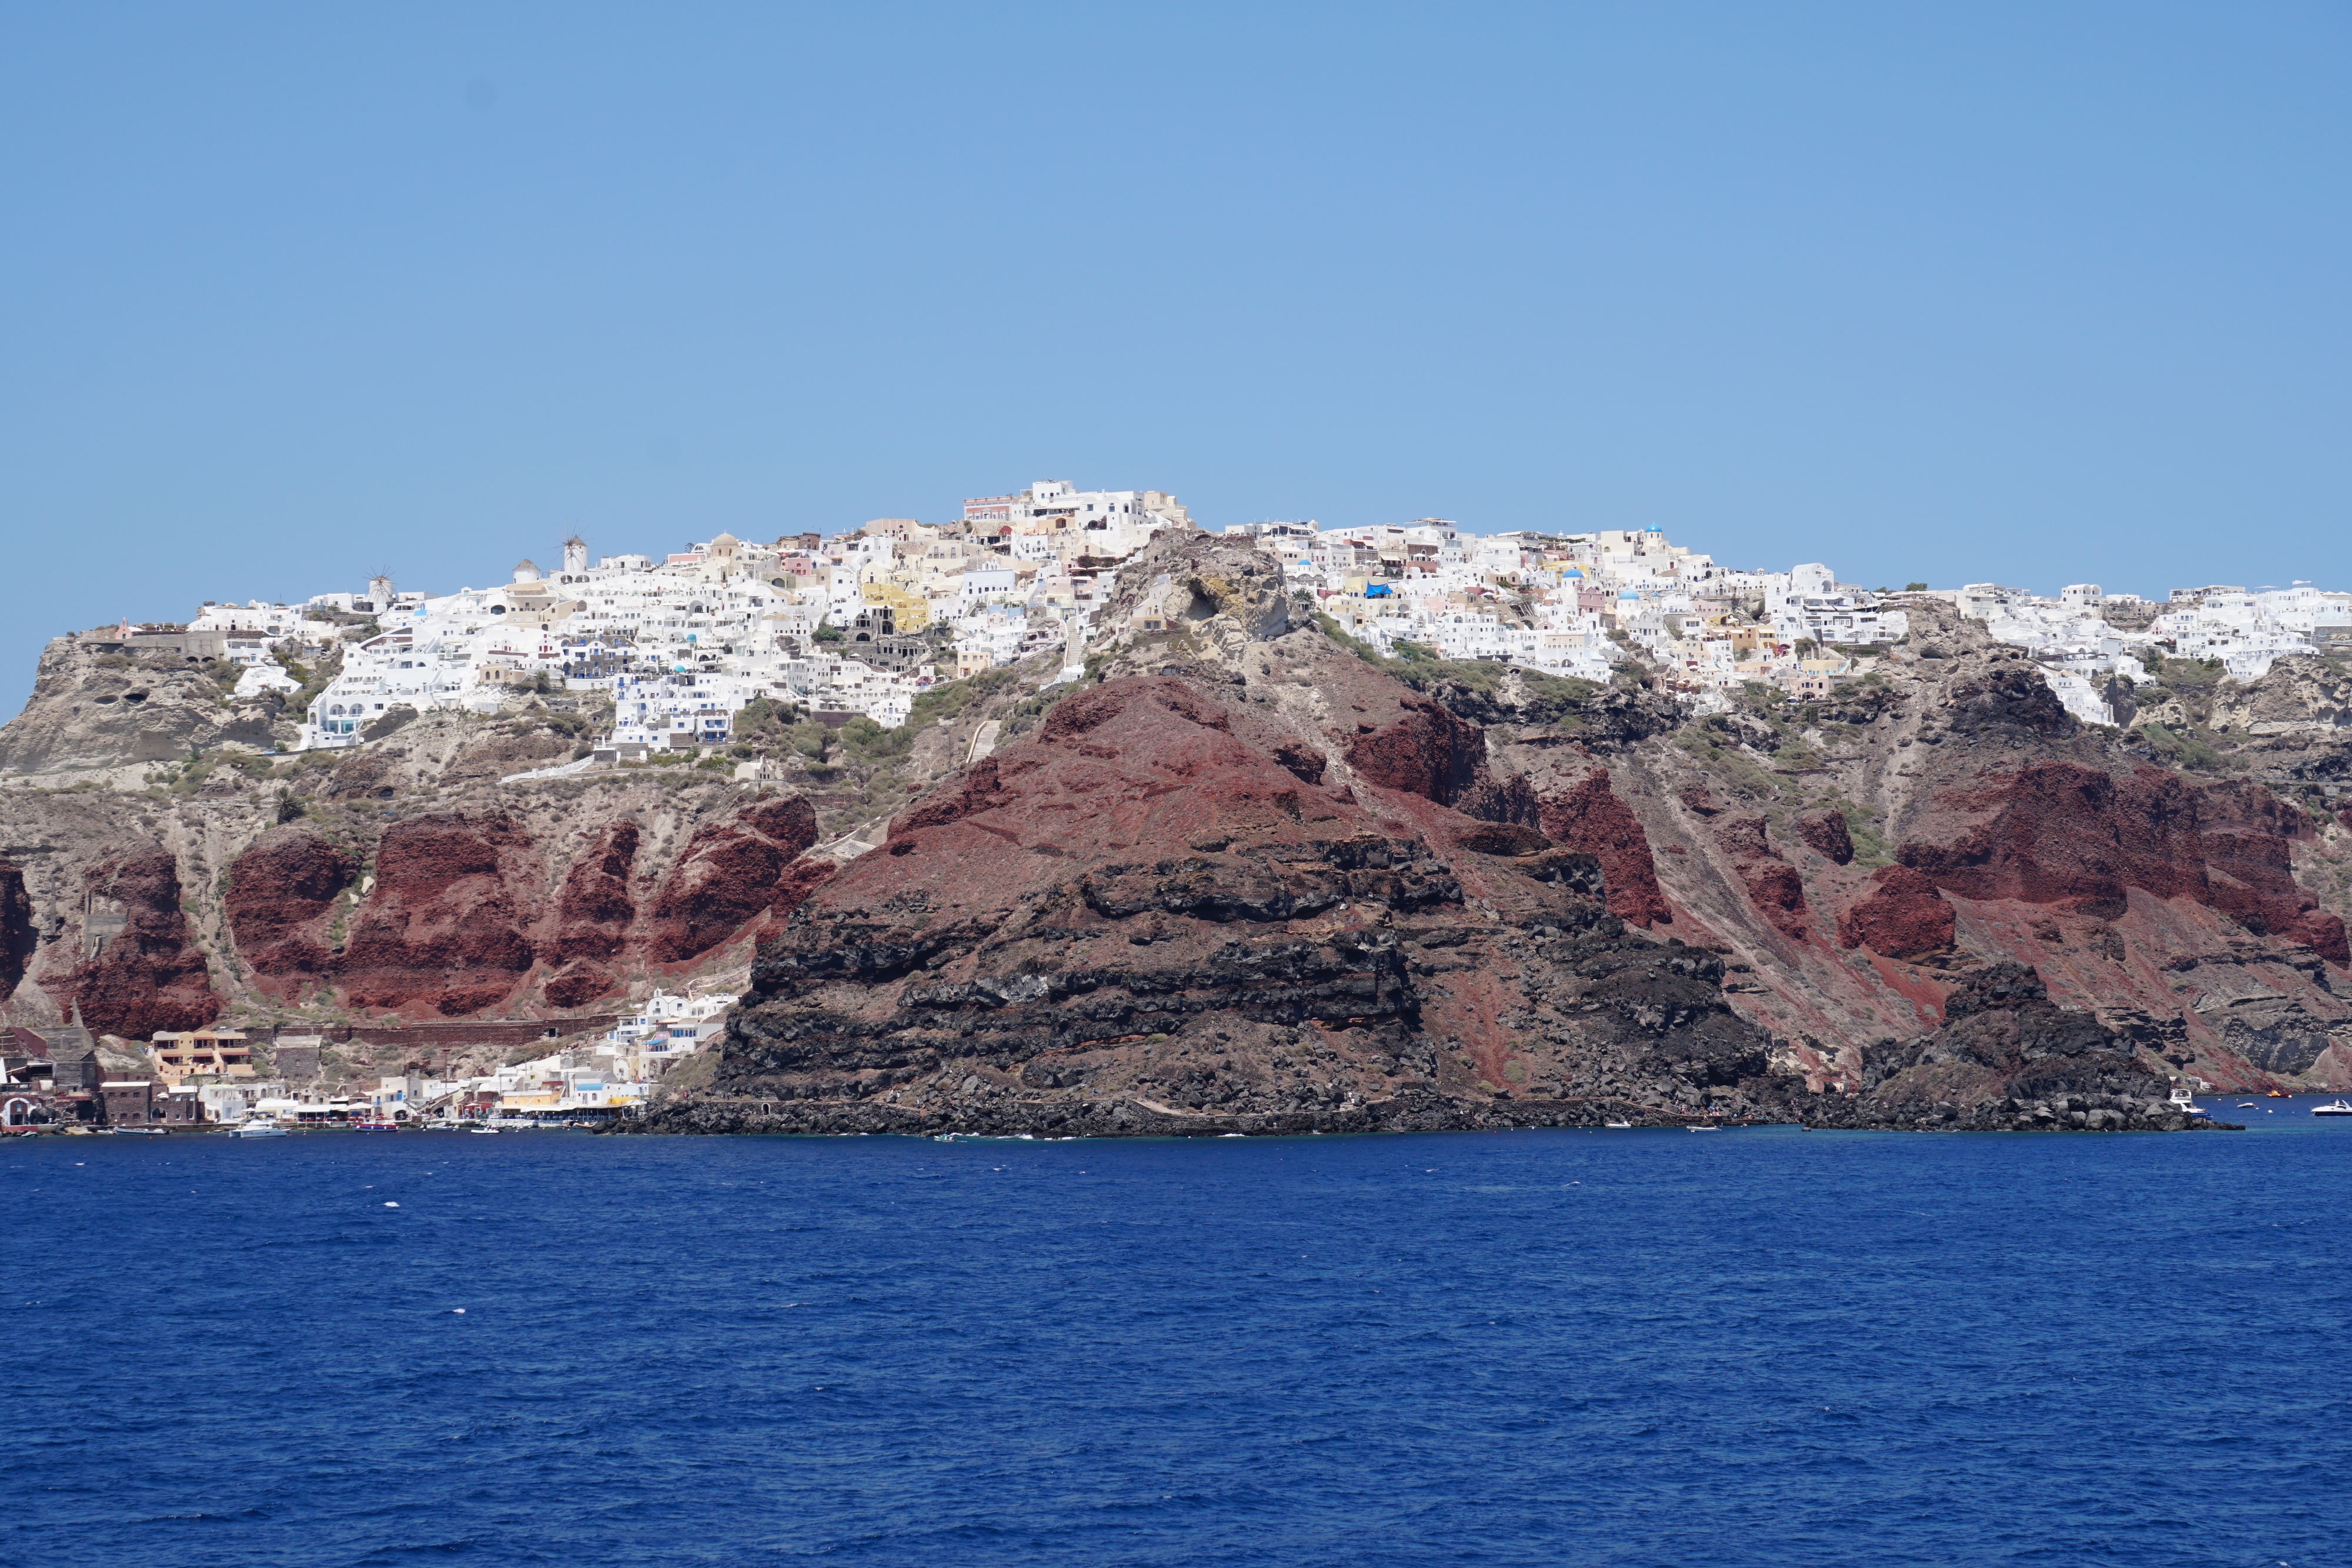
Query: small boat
[2248,1105]
[140,1131]
[257,1127]
[2184,1100]
[2337,1109]
[1625,1124]
[482,1129]
[2276,1094]
[377,1126]
[1705,1127]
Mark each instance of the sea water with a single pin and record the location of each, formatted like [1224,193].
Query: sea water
[1759,1346]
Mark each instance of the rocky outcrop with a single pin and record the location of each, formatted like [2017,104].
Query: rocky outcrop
[2302,695]
[1826,833]
[1430,753]
[146,973]
[2062,834]
[442,929]
[96,704]
[1141,920]
[2006,1058]
[1587,816]
[595,912]
[732,872]
[2007,694]
[282,892]
[18,935]
[1902,916]
[1773,885]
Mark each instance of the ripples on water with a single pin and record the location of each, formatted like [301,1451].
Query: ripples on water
[1638,1348]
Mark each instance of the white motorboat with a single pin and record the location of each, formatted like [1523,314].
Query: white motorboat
[2184,1100]
[1625,1124]
[257,1127]
[482,1129]
[2336,1108]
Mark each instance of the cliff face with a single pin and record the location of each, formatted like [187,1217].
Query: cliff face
[17,935]
[146,973]
[109,709]
[538,899]
[464,913]
[1143,919]
[1253,879]
[1860,861]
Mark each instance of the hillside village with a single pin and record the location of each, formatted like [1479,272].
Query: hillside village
[858,624]
[683,656]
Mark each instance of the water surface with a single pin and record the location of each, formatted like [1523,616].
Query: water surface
[1548,1347]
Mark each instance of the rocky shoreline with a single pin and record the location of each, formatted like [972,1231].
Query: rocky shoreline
[1132,1119]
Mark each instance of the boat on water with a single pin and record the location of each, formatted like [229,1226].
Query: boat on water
[2184,1100]
[140,1131]
[257,1127]
[1628,1125]
[1705,1127]
[377,1126]
[482,1129]
[2336,1108]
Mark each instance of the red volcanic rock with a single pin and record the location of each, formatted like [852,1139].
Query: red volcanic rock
[1779,894]
[594,910]
[1901,916]
[732,871]
[1432,753]
[979,788]
[1825,832]
[1144,910]
[2062,834]
[1129,772]
[2059,833]
[2250,868]
[579,983]
[1772,884]
[17,938]
[442,929]
[1743,838]
[282,889]
[1589,817]
[150,975]
[1305,764]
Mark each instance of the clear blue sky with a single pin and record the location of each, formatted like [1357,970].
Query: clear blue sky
[2040,293]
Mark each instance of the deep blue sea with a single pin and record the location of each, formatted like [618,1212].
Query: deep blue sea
[1763,1346]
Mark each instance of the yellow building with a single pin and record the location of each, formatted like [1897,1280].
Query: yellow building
[911,611]
[202,1053]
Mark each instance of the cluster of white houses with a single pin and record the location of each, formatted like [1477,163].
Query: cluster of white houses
[861,622]
[56,1078]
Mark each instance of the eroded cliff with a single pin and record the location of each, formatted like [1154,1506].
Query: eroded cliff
[1251,877]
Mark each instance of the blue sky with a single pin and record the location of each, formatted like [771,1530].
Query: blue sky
[2035,293]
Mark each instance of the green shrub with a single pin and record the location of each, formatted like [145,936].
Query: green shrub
[867,741]
[2190,750]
